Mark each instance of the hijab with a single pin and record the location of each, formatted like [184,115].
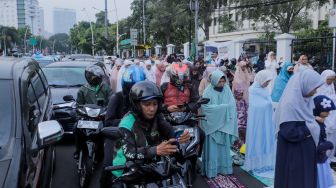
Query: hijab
[221,110]
[295,106]
[325,89]
[262,77]
[158,72]
[281,81]
[114,75]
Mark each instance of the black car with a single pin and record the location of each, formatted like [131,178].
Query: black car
[65,78]
[27,157]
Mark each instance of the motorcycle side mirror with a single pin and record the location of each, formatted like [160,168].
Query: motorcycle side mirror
[203,101]
[68,98]
[112,133]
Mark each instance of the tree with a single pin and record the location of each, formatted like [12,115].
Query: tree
[60,42]
[226,24]
[282,13]
[8,35]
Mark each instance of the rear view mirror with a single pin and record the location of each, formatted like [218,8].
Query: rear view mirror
[68,98]
[203,101]
[48,133]
[112,133]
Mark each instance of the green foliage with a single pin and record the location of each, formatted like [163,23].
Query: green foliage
[226,24]
[60,42]
[283,16]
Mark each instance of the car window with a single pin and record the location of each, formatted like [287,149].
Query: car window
[6,111]
[37,95]
[65,76]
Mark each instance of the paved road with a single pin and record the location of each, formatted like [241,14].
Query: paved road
[66,175]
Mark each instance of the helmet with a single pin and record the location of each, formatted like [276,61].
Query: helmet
[143,91]
[94,75]
[179,73]
[132,75]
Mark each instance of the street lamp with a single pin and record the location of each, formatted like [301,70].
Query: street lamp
[92,38]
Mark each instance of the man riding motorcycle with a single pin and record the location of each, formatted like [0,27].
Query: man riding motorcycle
[118,106]
[94,92]
[146,133]
[180,96]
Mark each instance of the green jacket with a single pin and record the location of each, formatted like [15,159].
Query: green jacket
[140,139]
[90,95]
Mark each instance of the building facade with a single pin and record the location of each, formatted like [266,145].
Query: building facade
[64,19]
[248,29]
[8,13]
[22,13]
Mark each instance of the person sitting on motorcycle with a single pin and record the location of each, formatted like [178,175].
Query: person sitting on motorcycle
[94,92]
[179,96]
[119,104]
[147,134]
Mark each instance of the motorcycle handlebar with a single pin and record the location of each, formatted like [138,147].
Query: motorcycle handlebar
[113,168]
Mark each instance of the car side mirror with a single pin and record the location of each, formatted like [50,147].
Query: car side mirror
[48,133]
[112,133]
[68,98]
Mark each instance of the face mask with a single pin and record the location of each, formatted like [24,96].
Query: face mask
[219,89]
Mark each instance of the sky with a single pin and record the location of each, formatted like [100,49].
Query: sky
[91,7]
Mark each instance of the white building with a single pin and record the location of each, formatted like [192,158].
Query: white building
[64,19]
[21,13]
[248,29]
[8,13]
[40,21]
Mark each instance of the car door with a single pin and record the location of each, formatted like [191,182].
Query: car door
[36,103]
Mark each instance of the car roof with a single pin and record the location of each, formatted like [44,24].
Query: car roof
[71,64]
[7,65]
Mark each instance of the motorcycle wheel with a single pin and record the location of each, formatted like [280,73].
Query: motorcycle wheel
[84,169]
[178,181]
[187,178]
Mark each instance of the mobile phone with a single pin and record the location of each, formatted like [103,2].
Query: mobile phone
[180,105]
[178,133]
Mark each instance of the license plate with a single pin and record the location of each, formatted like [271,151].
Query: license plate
[88,124]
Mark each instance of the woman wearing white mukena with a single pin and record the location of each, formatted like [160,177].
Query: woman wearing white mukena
[328,89]
[271,65]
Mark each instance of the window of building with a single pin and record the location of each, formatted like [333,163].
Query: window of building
[215,21]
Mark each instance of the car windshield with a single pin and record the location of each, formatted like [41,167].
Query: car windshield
[6,112]
[65,76]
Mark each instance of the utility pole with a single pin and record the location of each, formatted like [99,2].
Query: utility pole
[25,40]
[144,21]
[196,28]
[115,7]
[334,41]
[106,32]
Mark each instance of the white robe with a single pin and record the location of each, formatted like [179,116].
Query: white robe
[330,122]
[272,67]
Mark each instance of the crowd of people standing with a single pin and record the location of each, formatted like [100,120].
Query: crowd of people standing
[279,114]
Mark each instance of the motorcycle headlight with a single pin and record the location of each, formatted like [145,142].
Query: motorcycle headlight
[92,112]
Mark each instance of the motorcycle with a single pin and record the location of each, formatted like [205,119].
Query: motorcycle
[191,149]
[162,172]
[90,122]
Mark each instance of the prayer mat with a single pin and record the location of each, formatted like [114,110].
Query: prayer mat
[224,181]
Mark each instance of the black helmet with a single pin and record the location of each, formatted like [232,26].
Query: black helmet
[142,91]
[94,75]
